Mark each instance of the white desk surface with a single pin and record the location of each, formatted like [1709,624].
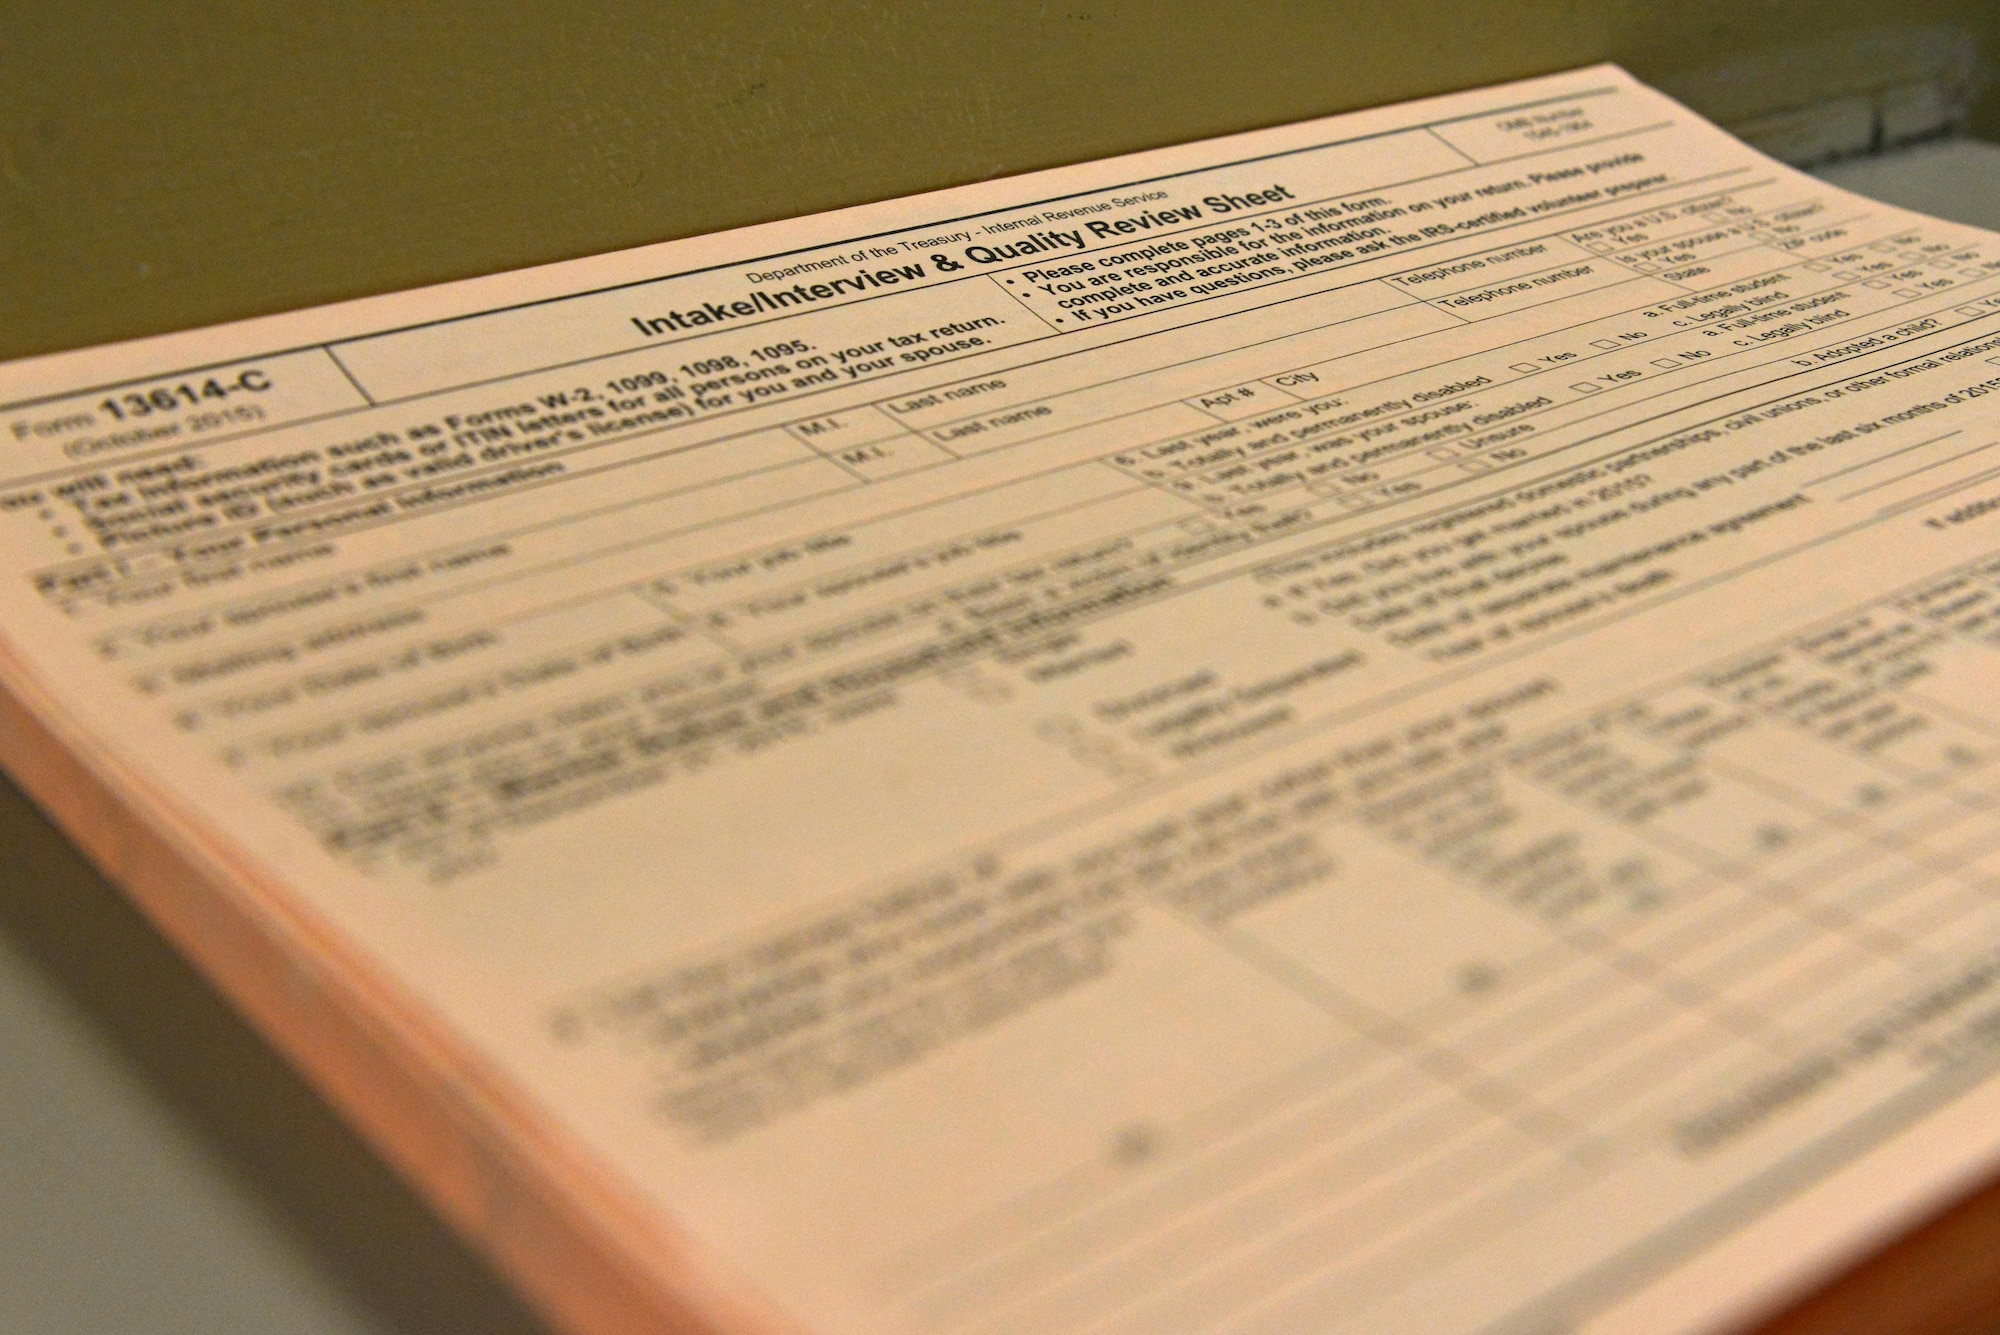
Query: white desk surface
[161,1171]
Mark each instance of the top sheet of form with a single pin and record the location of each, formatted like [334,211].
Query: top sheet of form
[1385,725]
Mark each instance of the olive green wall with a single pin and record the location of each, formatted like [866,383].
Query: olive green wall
[162,167]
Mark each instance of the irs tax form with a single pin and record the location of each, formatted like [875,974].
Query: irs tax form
[1385,725]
